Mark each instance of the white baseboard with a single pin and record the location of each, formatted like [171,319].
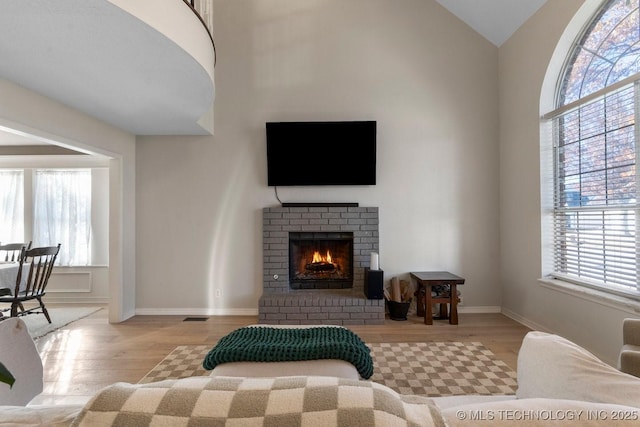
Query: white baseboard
[254,312]
[480,309]
[196,312]
[537,327]
[526,322]
[55,299]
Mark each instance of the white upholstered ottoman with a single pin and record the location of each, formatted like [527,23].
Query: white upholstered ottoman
[319,367]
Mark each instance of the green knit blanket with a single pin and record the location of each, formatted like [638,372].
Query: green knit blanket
[265,344]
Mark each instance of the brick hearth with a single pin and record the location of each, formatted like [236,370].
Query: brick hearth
[280,304]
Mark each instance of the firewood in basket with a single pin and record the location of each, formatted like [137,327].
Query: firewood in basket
[404,290]
[395,290]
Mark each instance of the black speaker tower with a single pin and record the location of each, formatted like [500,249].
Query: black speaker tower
[373,283]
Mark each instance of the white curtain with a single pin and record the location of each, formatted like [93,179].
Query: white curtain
[11,206]
[62,213]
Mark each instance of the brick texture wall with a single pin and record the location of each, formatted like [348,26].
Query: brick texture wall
[280,304]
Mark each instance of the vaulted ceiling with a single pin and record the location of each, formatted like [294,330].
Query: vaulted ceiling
[80,54]
[496,20]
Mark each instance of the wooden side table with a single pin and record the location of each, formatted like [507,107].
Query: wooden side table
[427,279]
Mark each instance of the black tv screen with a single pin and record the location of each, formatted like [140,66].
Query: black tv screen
[321,153]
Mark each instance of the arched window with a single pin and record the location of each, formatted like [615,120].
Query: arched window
[594,147]
[607,52]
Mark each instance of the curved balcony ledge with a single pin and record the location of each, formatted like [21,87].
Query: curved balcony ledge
[145,66]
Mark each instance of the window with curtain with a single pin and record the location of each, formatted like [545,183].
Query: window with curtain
[11,206]
[62,213]
[595,185]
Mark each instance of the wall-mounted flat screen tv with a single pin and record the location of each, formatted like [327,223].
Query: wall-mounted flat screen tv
[321,153]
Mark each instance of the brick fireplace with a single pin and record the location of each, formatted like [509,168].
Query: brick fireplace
[340,300]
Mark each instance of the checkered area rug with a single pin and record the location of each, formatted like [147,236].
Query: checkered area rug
[441,369]
[428,369]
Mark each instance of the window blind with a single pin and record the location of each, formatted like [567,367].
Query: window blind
[595,188]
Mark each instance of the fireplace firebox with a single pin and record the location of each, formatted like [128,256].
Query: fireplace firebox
[320,260]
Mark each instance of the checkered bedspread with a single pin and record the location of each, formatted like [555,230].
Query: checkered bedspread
[283,401]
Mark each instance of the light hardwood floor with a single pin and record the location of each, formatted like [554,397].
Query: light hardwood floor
[91,353]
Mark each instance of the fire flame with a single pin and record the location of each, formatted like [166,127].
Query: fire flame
[319,258]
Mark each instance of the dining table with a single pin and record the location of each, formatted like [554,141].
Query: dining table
[9,273]
[8,276]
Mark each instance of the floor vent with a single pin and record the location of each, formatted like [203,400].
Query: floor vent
[195,319]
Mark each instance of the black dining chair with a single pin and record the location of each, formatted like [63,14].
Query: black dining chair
[38,263]
[10,252]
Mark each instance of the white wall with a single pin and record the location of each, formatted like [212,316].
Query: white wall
[41,118]
[429,80]
[528,73]
[100,216]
